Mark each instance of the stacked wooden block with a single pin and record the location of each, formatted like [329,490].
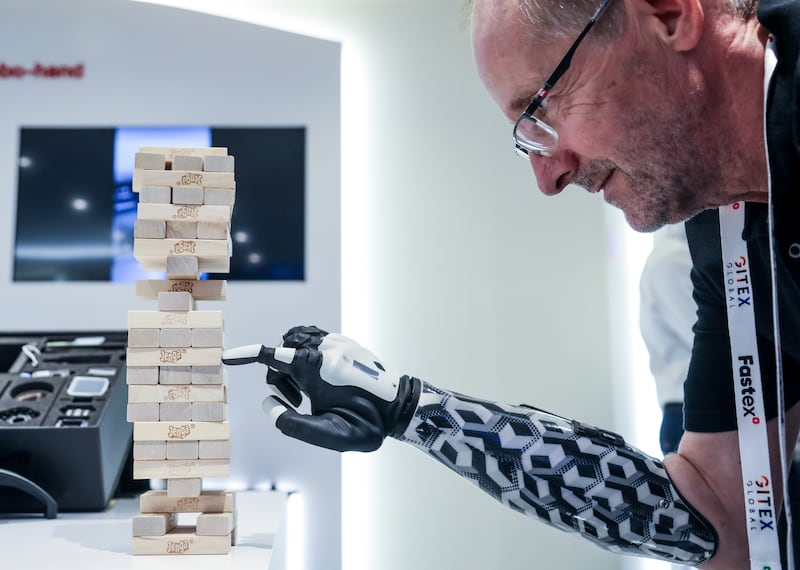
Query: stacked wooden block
[177,390]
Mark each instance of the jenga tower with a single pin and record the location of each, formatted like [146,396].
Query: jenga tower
[177,390]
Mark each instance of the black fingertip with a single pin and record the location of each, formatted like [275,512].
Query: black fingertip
[302,336]
[266,355]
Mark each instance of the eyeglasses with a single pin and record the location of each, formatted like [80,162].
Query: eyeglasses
[531,134]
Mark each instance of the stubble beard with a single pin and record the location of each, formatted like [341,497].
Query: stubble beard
[672,174]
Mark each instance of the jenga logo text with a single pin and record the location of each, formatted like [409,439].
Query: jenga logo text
[179,432]
[178,546]
[176,469]
[192,212]
[184,246]
[179,393]
[170,356]
[176,319]
[177,150]
[182,286]
[188,505]
[191,179]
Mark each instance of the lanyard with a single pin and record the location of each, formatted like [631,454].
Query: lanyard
[759,499]
[761,511]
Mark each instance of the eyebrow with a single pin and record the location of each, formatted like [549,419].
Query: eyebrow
[521,102]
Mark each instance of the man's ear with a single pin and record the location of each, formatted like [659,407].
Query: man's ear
[678,23]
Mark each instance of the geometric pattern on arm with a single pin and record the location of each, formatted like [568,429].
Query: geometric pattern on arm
[569,475]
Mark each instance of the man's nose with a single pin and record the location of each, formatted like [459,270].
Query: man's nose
[555,172]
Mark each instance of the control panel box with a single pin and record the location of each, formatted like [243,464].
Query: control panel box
[62,418]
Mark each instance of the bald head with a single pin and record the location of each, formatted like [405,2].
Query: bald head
[544,20]
[553,19]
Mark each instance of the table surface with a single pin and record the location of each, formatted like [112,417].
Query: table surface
[86,541]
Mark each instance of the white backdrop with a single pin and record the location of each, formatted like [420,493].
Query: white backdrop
[151,65]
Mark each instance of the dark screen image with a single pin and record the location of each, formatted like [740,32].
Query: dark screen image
[75,207]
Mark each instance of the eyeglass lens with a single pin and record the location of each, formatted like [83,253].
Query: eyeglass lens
[535,136]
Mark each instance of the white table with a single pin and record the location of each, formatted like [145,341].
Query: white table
[89,541]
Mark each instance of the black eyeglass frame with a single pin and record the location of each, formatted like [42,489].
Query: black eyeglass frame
[527,115]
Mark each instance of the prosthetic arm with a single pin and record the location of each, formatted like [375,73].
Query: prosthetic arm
[570,475]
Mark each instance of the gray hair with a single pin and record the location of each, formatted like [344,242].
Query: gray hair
[555,19]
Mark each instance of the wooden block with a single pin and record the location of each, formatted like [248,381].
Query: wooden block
[178,393]
[175,375]
[218,163]
[178,178]
[215,524]
[174,357]
[144,337]
[180,431]
[181,468]
[214,449]
[180,541]
[208,337]
[177,338]
[141,375]
[219,197]
[174,412]
[182,266]
[150,160]
[181,230]
[178,212]
[150,229]
[170,151]
[184,487]
[143,412]
[155,195]
[209,411]
[205,264]
[187,162]
[183,450]
[208,374]
[187,195]
[202,248]
[156,524]
[205,290]
[175,301]
[151,450]
[175,319]
[157,501]
[212,230]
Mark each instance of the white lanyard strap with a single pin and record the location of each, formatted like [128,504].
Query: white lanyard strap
[762,521]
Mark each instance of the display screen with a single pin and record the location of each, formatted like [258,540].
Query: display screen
[87,387]
[76,210]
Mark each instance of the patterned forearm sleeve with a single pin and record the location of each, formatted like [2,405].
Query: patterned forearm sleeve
[569,475]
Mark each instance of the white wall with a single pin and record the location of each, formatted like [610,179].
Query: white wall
[455,269]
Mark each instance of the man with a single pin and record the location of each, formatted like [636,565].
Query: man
[661,108]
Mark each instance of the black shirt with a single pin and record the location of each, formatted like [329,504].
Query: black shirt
[709,404]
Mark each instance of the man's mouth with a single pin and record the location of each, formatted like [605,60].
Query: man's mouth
[602,186]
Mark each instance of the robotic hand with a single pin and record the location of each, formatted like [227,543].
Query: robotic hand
[355,401]
[569,475]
